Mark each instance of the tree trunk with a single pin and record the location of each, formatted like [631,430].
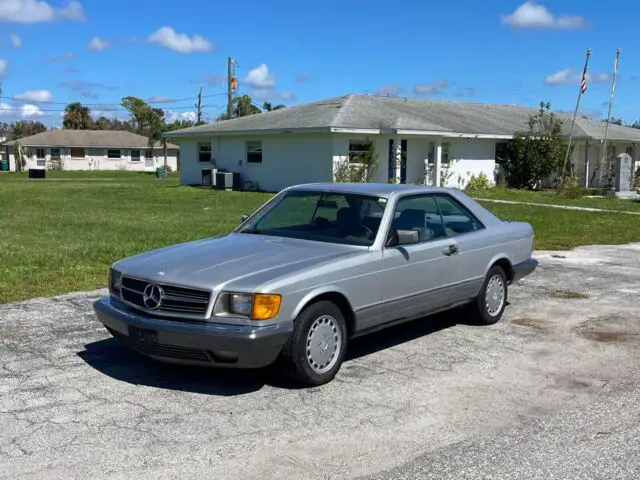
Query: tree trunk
[164,149]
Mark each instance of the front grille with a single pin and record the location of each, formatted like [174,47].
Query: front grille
[176,300]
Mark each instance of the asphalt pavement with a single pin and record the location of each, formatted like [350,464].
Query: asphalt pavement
[550,392]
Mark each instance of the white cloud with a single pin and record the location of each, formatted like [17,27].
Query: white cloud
[434,88]
[573,75]
[16,41]
[4,64]
[172,116]
[28,110]
[98,44]
[35,96]
[160,99]
[532,15]
[36,11]
[260,78]
[390,90]
[180,42]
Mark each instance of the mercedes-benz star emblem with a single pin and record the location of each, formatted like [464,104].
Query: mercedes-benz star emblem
[152,296]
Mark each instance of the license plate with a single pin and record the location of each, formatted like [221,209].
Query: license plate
[148,337]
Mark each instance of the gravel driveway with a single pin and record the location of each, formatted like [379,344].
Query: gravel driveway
[552,391]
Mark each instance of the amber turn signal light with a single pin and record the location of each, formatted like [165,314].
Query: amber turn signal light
[265,306]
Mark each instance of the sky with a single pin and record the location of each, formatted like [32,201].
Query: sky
[53,52]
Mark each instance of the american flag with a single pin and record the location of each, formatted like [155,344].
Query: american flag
[583,84]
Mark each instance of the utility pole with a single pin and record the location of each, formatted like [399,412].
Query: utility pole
[229,88]
[199,107]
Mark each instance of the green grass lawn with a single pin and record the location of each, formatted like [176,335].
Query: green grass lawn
[550,197]
[61,235]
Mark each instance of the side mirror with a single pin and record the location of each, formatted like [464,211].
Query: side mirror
[243,218]
[402,237]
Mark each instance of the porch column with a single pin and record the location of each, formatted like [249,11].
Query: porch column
[398,158]
[586,164]
[437,150]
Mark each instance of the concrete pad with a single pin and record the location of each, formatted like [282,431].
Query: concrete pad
[551,391]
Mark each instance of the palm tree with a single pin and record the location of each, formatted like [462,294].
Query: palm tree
[243,106]
[267,107]
[77,117]
[157,127]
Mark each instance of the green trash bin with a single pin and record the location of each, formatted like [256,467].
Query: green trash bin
[4,166]
[160,173]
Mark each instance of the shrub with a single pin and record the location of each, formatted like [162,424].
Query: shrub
[481,182]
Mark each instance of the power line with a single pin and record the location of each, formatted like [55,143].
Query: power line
[48,102]
[19,109]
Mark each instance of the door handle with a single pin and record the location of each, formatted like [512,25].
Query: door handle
[450,249]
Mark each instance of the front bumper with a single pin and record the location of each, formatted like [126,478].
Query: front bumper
[521,270]
[206,344]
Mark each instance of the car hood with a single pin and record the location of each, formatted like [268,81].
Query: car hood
[242,261]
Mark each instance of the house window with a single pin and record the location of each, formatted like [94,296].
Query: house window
[40,155]
[446,152]
[629,150]
[254,152]
[148,154]
[55,154]
[204,152]
[77,152]
[114,153]
[357,148]
[135,155]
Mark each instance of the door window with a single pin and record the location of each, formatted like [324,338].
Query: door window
[419,213]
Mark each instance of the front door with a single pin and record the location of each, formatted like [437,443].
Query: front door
[419,278]
[392,161]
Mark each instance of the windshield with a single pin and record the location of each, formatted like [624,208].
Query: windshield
[344,218]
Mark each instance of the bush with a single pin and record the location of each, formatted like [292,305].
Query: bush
[481,182]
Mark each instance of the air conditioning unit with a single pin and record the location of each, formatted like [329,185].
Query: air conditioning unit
[226,180]
[208,177]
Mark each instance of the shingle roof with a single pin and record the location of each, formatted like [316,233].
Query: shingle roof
[389,113]
[87,138]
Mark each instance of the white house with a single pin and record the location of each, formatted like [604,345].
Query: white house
[91,150]
[439,140]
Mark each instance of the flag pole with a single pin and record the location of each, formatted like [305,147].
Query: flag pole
[613,89]
[581,90]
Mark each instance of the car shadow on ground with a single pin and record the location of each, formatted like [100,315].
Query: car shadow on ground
[111,358]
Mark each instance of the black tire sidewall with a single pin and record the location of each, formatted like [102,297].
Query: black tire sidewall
[295,352]
[484,316]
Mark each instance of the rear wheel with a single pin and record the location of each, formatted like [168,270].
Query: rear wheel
[315,351]
[492,299]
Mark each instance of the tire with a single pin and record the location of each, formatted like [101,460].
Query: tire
[317,346]
[488,311]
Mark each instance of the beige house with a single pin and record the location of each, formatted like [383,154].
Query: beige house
[90,150]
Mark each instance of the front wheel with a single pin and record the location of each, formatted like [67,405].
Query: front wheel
[492,299]
[315,351]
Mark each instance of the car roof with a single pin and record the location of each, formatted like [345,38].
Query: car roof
[377,189]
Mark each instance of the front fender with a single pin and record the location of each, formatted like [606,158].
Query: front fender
[316,292]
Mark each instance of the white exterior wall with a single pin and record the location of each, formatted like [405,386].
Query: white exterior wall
[287,159]
[303,158]
[97,159]
[578,158]
[468,158]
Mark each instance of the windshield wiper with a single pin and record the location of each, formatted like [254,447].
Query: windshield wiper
[252,231]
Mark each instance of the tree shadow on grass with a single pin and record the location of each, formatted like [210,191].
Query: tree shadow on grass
[111,358]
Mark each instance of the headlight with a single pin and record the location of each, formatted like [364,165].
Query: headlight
[240,304]
[115,281]
[260,306]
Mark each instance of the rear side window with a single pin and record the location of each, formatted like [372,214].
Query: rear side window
[455,217]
